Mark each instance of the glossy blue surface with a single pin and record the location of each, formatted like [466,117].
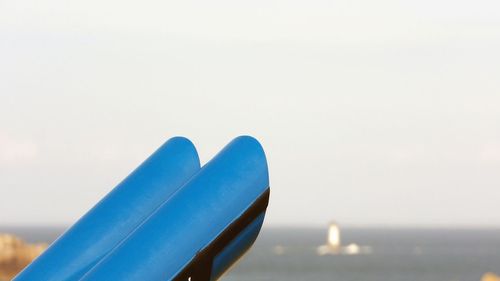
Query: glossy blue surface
[116,215]
[192,218]
[236,248]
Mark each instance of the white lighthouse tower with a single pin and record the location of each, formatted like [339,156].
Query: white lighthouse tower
[334,246]
[333,236]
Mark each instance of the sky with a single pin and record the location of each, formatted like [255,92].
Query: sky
[372,113]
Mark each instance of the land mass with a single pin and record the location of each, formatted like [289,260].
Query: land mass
[16,254]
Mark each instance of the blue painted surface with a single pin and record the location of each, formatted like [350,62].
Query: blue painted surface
[192,218]
[116,215]
[236,248]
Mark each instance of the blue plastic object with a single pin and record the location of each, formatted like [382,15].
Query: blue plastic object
[232,252]
[116,215]
[201,230]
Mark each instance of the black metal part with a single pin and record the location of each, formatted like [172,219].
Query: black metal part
[200,268]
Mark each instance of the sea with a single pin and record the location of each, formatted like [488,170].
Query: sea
[281,254]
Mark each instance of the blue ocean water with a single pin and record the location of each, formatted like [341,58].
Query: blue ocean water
[398,255]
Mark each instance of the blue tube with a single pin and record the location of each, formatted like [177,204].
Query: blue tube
[116,215]
[227,196]
[236,248]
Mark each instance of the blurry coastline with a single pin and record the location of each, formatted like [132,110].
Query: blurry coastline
[16,254]
[398,254]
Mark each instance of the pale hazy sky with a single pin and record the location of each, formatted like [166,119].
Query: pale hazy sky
[371,112]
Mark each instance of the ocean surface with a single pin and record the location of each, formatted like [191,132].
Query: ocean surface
[398,255]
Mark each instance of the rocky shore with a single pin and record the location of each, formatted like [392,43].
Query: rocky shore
[490,277]
[15,254]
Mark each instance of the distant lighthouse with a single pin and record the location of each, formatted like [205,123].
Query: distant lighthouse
[334,246]
[333,236]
